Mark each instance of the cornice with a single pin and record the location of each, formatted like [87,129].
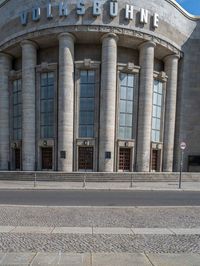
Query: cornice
[172,2]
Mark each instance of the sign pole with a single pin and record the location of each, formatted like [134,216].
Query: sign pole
[182,147]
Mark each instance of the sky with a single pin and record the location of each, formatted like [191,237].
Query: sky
[192,6]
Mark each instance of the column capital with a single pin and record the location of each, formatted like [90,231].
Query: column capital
[171,57]
[66,35]
[29,42]
[147,44]
[110,35]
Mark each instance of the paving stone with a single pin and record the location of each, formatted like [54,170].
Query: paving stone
[6,229]
[174,259]
[67,259]
[152,231]
[186,231]
[72,230]
[18,258]
[112,230]
[120,259]
[33,229]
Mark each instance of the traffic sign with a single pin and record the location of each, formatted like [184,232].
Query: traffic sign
[183,146]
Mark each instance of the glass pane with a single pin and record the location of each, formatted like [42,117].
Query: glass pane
[159,99]
[83,76]
[123,93]
[122,106]
[154,111]
[44,79]
[91,76]
[159,112]
[130,80]
[90,131]
[157,124]
[44,92]
[128,120]
[86,104]
[82,131]
[153,135]
[160,87]
[129,95]
[50,92]
[50,106]
[128,132]
[87,90]
[122,120]
[157,136]
[129,107]
[123,79]
[155,98]
[122,132]
[154,123]
[50,78]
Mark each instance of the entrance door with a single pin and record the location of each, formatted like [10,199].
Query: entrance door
[85,160]
[124,159]
[155,161]
[47,159]
[17,159]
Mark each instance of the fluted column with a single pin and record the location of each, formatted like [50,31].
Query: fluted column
[5,67]
[66,102]
[145,106]
[108,102]
[171,69]
[29,61]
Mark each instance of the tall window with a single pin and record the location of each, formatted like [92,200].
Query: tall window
[157,111]
[87,104]
[127,84]
[17,109]
[47,105]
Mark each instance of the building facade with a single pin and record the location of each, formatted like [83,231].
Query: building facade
[98,85]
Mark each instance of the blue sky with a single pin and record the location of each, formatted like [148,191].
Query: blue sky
[192,6]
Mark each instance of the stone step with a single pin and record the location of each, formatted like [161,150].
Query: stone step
[99,177]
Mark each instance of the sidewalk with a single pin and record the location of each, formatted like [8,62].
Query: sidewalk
[41,185]
[99,259]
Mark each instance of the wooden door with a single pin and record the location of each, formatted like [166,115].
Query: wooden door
[47,159]
[17,159]
[85,160]
[124,159]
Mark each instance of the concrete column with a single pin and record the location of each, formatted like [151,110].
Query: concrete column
[145,106]
[108,101]
[29,61]
[5,67]
[171,69]
[66,102]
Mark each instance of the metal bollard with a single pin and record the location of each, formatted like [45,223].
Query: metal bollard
[35,180]
[131,181]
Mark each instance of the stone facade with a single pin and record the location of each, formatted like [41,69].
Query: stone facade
[66,127]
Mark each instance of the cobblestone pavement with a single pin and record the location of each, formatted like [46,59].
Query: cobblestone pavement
[99,243]
[147,217]
[141,217]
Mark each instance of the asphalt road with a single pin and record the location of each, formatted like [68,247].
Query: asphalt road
[99,198]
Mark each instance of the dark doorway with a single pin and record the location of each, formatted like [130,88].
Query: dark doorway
[124,159]
[47,159]
[85,161]
[17,159]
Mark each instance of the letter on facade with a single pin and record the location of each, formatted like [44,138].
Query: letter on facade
[97,8]
[49,11]
[80,7]
[113,9]
[144,14]
[24,18]
[63,12]
[129,12]
[155,20]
